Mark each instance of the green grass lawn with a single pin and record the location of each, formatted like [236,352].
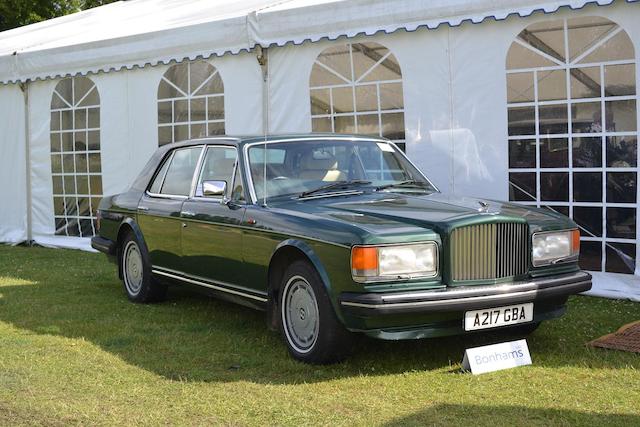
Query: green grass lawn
[73,350]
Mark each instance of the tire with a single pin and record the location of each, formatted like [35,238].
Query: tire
[310,328]
[139,285]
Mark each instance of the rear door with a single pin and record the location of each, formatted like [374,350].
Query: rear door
[160,207]
[212,238]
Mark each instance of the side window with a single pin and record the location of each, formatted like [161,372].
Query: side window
[180,173]
[237,195]
[157,181]
[217,166]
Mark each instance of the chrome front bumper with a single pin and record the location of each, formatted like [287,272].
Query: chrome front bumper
[465,298]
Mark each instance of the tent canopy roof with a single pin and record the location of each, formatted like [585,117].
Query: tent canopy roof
[135,33]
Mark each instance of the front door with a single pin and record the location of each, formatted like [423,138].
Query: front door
[160,207]
[211,236]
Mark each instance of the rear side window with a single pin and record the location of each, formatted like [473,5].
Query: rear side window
[157,181]
[177,181]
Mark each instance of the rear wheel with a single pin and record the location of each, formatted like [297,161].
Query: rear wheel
[309,325]
[139,285]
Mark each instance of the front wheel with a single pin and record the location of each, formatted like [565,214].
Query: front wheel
[309,325]
[136,273]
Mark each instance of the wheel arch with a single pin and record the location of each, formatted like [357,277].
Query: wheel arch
[285,253]
[128,225]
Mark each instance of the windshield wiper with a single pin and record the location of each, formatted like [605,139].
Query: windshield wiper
[336,184]
[408,183]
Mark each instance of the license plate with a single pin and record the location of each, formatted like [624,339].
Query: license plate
[499,316]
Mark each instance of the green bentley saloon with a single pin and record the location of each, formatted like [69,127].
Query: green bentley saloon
[333,235]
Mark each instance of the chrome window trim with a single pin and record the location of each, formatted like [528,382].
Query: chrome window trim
[196,177]
[173,196]
[247,165]
[169,159]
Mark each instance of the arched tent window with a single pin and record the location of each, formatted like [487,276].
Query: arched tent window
[75,156]
[357,88]
[190,102]
[573,132]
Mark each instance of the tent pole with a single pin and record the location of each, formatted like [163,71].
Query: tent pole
[25,90]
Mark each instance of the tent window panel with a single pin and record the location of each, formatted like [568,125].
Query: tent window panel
[552,119]
[522,153]
[165,135]
[522,120]
[585,82]
[589,219]
[391,97]
[584,32]
[617,48]
[55,120]
[621,187]
[621,115]
[196,105]
[621,223]
[622,151]
[586,117]
[344,124]
[81,163]
[322,124]
[67,120]
[554,186]
[591,256]
[366,98]
[320,102]
[621,258]
[215,108]
[215,128]
[342,100]
[587,152]
[348,102]
[369,124]
[522,186]
[71,186]
[620,79]
[198,109]
[520,87]
[554,153]
[165,112]
[587,186]
[552,85]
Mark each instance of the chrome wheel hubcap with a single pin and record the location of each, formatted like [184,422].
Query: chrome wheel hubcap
[133,268]
[300,314]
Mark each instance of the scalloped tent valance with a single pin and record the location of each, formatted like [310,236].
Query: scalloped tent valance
[136,33]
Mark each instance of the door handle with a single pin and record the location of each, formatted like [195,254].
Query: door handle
[143,208]
[188,214]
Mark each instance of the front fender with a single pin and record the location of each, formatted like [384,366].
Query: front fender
[311,255]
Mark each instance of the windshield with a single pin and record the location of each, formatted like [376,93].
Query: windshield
[299,167]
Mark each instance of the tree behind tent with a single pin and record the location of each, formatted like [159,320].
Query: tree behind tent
[16,13]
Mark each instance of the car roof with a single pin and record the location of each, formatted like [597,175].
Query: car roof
[237,141]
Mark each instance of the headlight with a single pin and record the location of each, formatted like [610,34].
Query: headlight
[379,263]
[555,246]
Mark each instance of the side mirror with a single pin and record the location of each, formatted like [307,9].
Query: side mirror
[214,188]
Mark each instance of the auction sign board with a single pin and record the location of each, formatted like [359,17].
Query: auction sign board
[496,357]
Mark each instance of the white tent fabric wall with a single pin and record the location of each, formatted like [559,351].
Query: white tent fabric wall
[129,130]
[13,174]
[454,90]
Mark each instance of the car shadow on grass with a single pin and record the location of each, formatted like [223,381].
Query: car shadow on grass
[191,337]
[450,414]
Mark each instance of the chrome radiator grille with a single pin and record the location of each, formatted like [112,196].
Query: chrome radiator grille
[489,251]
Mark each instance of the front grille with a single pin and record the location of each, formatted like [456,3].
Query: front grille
[489,251]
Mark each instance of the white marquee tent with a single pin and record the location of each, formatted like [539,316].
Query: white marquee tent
[526,100]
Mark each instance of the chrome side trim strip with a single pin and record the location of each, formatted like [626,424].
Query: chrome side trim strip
[221,287]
